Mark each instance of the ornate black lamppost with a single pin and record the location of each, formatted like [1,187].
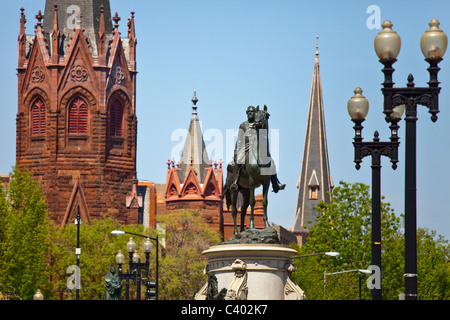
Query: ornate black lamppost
[78,252]
[135,266]
[433,44]
[358,107]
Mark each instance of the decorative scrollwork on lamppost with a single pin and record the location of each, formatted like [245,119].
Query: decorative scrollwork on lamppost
[135,267]
[387,45]
[358,108]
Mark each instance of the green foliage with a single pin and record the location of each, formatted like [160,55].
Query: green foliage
[98,251]
[34,253]
[181,270]
[344,225]
[23,237]
[433,252]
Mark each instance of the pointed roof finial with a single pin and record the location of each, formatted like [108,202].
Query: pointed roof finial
[116,20]
[102,34]
[55,17]
[101,28]
[22,38]
[23,21]
[131,31]
[39,18]
[317,46]
[194,101]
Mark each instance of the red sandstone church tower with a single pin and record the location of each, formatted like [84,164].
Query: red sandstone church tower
[76,120]
[196,182]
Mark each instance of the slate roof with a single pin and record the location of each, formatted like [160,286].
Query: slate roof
[90,21]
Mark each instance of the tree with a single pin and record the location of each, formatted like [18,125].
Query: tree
[98,252]
[23,236]
[34,253]
[187,236]
[433,252]
[344,225]
[181,265]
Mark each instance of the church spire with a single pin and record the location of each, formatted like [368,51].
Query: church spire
[194,151]
[314,183]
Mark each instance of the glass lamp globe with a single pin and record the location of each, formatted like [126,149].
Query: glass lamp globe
[358,105]
[387,43]
[148,246]
[397,112]
[136,257]
[120,258]
[434,41]
[131,246]
[38,295]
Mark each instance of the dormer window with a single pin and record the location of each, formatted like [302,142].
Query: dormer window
[313,186]
[313,192]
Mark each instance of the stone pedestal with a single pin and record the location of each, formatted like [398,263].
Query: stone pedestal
[250,272]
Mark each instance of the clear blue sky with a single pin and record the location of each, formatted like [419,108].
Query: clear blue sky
[237,53]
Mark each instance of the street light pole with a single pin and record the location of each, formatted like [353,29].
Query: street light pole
[78,252]
[358,107]
[138,265]
[387,45]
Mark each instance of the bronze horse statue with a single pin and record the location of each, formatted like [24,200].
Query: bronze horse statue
[251,175]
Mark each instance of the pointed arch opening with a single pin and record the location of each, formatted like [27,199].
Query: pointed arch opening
[38,117]
[116,119]
[78,117]
[121,124]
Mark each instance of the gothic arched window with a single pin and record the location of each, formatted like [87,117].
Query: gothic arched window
[38,117]
[78,116]
[115,122]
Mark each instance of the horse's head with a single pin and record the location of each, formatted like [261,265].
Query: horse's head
[261,118]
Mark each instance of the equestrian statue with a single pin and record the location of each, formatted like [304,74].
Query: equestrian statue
[252,167]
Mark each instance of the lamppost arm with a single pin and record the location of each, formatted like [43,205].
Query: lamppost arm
[120,232]
[330,253]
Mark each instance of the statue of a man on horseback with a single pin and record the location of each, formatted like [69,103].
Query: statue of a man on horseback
[252,166]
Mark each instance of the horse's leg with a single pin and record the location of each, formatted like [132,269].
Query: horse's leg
[234,209]
[245,203]
[252,206]
[266,186]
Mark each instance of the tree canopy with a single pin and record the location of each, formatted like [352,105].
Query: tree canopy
[35,253]
[344,226]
